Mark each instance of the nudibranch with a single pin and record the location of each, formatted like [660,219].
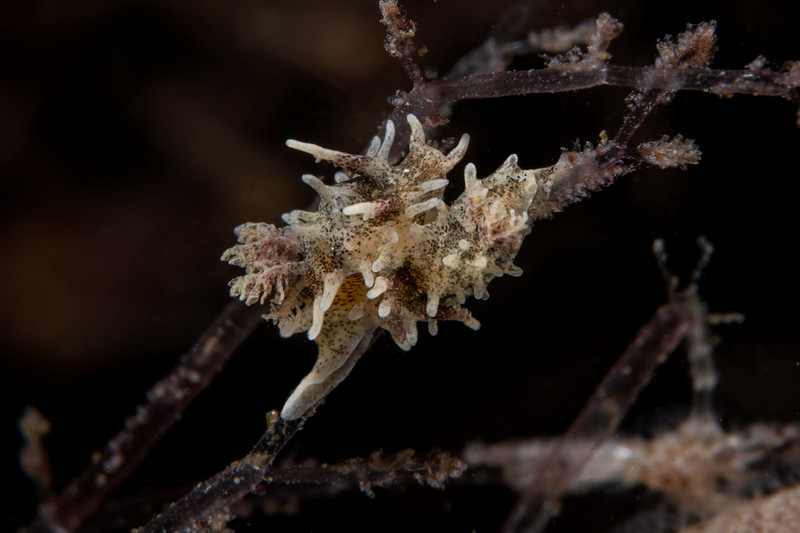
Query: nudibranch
[383,250]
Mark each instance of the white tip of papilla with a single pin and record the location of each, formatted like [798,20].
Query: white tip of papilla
[316,328]
[432,203]
[295,216]
[470,175]
[388,139]
[378,288]
[384,308]
[433,305]
[367,210]
[412,334]
[302,147]
[511,161]
[432,185]
[292,410]
[479,262]
[331,284]
[450,261]
[316,184]
[378,264]
[417,132]
[369,277]
[374,147]
[461,148]
[317,317]
[318,152]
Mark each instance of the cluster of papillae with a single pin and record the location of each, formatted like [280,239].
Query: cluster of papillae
[383,249]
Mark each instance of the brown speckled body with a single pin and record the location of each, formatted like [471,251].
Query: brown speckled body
[383,250]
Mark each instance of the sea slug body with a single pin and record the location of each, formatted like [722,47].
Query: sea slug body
[383,250]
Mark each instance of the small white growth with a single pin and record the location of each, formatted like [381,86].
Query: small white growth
[318,152]
[412,335]
[450,261]
[472,323]
[432,185]
[458,152]
[331,287]
[293,218]
[384,308]
[316,320]
[368,210]
[433,203]
[380,286]
[374,146]
[433,305]
[378,264]
[388,139]
[479,262]
[470,175]
[369,278]
[316,184]
[417,133]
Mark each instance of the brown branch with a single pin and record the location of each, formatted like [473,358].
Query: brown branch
[579,173]
[166,402]
[681,66]
[378,470]
[400,32]
[599,417]
[426,99]
[683,317]
[208,504]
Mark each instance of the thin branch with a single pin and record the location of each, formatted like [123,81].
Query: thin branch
[426,99]
[378,470]
[579,173]
[166,402]
[400,32]
[685,316]
[695,465]
[497,51]
[309,480]
[600,417]
[208,504]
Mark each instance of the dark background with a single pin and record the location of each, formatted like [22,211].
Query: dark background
[134,136]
